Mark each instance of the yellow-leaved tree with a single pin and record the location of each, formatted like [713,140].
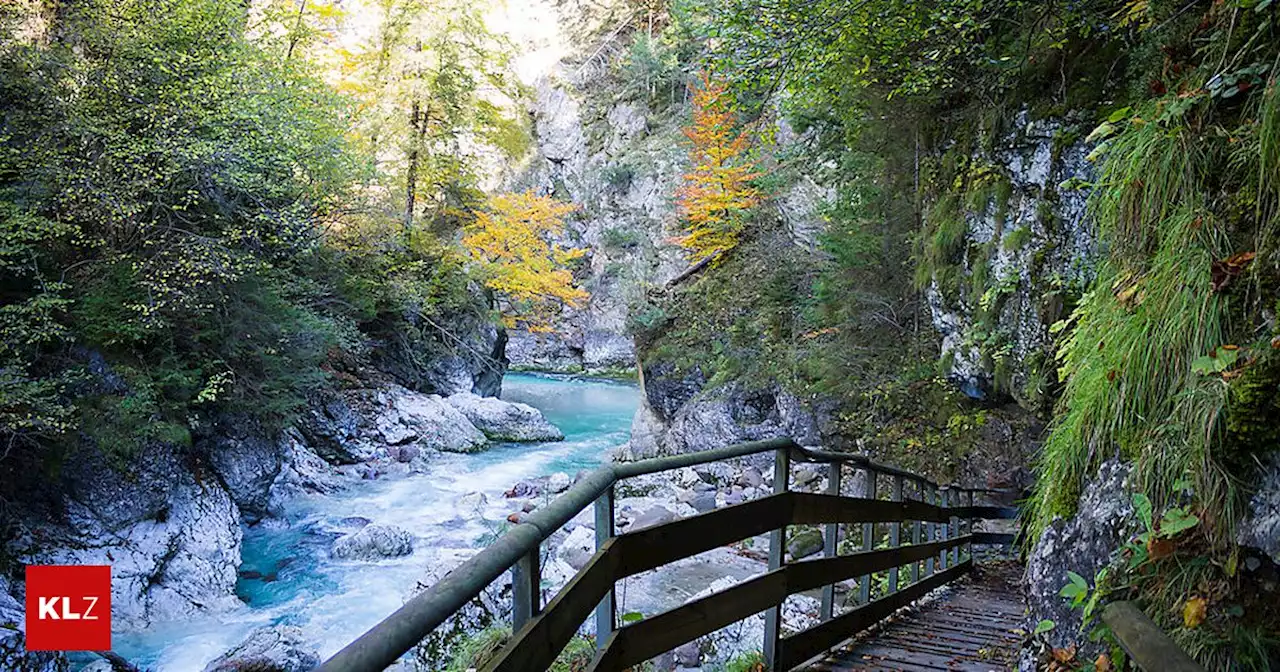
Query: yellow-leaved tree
[718,189]
[511,242]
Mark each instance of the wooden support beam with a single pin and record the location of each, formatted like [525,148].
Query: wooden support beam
[830,541]
[815,509]
[895,533]
[868,536]
[915,533]
[987,512]
[809,574]
[604,533]
[993,538]
[930,496]
[526,588]
[777,538]
[1149,647]
[654,547]
[968,528]
[536,645]
[638,642]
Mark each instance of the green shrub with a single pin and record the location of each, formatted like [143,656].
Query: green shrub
[1017,239]
[620,238]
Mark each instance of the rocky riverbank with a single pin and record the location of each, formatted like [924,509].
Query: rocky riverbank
[170,521]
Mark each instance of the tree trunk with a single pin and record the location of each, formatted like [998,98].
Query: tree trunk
[691,271]
[297,29]
[411,187]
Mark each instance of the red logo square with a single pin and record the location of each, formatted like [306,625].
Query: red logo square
[69,608]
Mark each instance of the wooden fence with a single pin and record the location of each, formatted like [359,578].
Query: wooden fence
[938,520]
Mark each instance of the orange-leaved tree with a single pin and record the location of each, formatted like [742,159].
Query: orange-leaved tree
[718,189]
[511,242]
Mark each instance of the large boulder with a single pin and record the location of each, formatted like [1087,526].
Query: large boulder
[405,416]
[333,428]
[578,547]
[805,544]
[172,539]
[460,351]
[374,542]
[247,463]
[278,648]
[505,421]
[676,418]
[1082,544]
[301,472]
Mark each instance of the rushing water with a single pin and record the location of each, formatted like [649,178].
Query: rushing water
[297,583]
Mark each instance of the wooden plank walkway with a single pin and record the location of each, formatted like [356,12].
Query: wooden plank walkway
[974,625]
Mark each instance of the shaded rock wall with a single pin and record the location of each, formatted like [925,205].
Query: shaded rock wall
[1037,249]
[1082,544]
[680,415]
[168,528]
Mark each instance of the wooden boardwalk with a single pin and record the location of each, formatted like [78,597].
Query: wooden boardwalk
[973,625]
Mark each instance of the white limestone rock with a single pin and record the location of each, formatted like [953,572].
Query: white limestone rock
[374,542]
[503,420]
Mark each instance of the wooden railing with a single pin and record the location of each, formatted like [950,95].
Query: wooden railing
[1149,647]
[940,519]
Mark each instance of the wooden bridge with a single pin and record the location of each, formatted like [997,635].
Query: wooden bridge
[931,534]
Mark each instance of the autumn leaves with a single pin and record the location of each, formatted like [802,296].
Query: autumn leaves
[718,189]
[511,241]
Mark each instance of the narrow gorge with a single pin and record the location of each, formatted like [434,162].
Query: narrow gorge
[307,302]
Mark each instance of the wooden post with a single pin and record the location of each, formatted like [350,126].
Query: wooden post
[868,538]
[930,496]
[777,538]
[895,533]
[915,532]
[954,501]
[604,532]
[968,525]
[526,588]
[831,539]
[944,497]
[1148,647]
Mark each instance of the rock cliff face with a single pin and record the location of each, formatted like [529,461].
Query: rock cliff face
[620,161]
[1027,252]
[1082,544]
[679,415]
[460,352]
[14,656]
[168,528]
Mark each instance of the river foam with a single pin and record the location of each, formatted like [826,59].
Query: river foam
[290,578]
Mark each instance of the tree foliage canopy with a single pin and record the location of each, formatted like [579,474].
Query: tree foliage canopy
[718,189]
[512,243]
[202,204]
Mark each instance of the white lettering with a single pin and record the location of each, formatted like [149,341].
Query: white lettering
[47,608]
[93,602]
[67,614]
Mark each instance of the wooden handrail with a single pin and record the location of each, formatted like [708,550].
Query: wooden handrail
[539,638]
[1149,647]
[638,642]
[536,646]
